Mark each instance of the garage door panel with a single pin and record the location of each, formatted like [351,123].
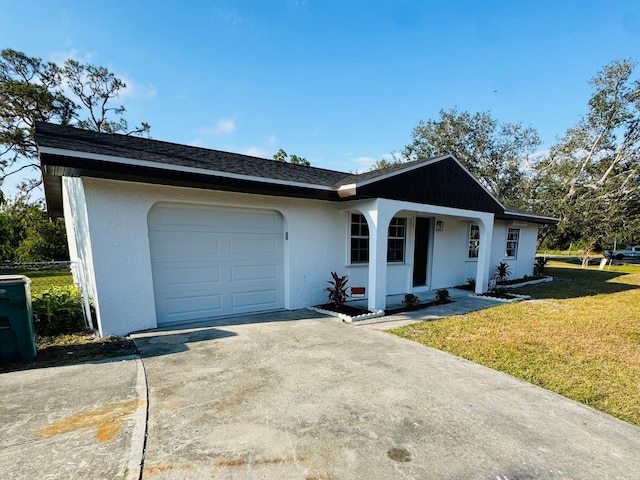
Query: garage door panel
[263,300]
[203,244]
[253,244]
[252,222]
[209,262]
[189,277]
[184,308]
[244,273]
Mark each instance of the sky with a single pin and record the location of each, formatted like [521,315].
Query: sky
[341,83]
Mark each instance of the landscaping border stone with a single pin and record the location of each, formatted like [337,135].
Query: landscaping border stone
[348,318]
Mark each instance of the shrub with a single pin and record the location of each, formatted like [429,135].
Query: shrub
[338,289]
[442,295]
[539,266]
[411,301]
[58,311]
[503,271]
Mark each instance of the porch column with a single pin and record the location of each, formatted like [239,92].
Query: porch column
[378,233]
[483,272]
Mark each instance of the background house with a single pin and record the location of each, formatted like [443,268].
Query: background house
[169,234]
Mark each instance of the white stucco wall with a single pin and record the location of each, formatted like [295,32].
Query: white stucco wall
[450,263]
[522,264]
[117,222]
[111,237]
[78,234]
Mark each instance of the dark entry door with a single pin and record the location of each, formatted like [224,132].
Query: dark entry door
[420,251]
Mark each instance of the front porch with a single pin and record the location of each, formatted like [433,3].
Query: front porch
[429,249]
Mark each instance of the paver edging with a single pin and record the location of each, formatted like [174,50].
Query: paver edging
[348,318]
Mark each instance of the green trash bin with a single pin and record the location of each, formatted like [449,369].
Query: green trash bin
[17,336]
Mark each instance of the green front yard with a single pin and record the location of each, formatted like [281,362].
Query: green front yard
[579,337]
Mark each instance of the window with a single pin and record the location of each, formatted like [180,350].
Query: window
[359,239]
[474,240]
[395,246]
[513,236]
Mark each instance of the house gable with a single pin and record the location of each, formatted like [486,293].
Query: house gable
[445,183]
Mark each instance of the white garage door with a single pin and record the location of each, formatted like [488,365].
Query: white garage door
[210,262]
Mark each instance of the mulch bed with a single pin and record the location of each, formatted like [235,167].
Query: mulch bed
[420,306]
[354,311]
[346,309]
[506,296]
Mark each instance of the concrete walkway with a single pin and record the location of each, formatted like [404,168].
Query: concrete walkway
[309,397]
[78,421]
[295,395]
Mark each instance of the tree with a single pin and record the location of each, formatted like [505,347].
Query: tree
[27,235]
[281,156]
[591,178]
[386,163]
[32,90]
[496,154]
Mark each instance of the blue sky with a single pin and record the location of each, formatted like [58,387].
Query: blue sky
[340,83]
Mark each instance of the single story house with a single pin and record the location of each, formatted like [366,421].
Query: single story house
[168,234]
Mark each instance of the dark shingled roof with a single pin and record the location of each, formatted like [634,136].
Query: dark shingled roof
[123,157]
[126,146]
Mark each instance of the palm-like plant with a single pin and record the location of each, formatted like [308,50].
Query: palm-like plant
[503,271]
[338,289]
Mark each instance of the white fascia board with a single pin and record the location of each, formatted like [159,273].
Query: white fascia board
[399,205]
[176,168]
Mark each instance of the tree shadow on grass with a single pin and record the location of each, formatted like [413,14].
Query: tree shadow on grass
[577,282]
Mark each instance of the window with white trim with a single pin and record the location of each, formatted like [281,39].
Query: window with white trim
[396,241]
[359,239]
[474,240]
[513,237]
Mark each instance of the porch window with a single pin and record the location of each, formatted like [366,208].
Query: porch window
[359,239]
[513,237]
[397,234]
[474,240]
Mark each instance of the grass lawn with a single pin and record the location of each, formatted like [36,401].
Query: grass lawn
[579,337]
[42,280]
[64,349]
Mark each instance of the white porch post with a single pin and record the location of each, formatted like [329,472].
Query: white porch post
[378,221]
[485,223]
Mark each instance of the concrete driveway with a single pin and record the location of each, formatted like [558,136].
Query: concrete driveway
[314,399]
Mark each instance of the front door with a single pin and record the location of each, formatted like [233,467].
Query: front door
[420,251]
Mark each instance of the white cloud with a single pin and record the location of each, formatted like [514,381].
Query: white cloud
[272,140]
[62,56]
[224,126]
[364,164]
[256,152]
[135,90]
